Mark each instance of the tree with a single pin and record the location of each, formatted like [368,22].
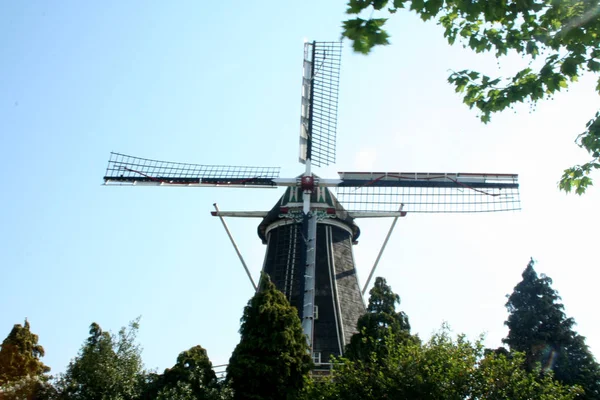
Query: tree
[21,370]
[443,368]
[108,367]
[192,377]
[272,359]
[565,32]
[539,328]
[20,355]
[380,321]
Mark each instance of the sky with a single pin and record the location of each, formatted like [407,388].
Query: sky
[219,83]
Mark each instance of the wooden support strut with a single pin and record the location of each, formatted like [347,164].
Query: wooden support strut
[402,214]
[237,250]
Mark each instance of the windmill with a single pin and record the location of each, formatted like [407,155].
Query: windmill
[310,232]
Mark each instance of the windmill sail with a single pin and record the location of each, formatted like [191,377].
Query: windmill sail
[127,170]
[428,192]
[320,81]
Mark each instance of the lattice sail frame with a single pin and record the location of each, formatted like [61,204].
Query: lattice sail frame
[428,192]
[320,89]
[356,191]
[127,170]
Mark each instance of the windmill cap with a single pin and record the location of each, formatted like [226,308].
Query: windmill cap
[321,199]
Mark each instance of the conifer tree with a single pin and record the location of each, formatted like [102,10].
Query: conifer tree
[22,373]
[381,323]
[272,360]
[20,355]
[191,377]
[539,328]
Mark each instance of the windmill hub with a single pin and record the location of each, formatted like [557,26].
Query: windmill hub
[307,183]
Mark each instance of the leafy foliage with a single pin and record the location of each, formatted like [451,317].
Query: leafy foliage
[539,328]
[107,367]
[272,359]
[565,33]
[20,355]
[380,323]
[185,391]
[35,387]
[22,373]
[442,368]
[192,377]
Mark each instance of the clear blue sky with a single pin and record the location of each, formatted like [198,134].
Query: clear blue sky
[219,83]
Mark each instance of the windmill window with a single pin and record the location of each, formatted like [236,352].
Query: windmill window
[316,313]
[316,356]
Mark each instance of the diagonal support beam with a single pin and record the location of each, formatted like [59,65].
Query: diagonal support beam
[401,214]
[237,250]
[240,214]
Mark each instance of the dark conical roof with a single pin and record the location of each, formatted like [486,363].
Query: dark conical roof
[292,198]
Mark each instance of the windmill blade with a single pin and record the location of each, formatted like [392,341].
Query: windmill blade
[428,192]
[127,170]
[320,84]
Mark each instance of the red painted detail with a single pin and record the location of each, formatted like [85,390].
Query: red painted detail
[400,177]
[284,210]
[403,213]
[307,183]
[331,211]
[213,213]
[411,173]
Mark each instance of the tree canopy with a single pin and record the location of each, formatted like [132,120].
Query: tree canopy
[379,323]
[21,370]
[443,368]
[539,328]
[20,355]
[107,367]
[272,360]
[547,358]
[192,377]
[565,34]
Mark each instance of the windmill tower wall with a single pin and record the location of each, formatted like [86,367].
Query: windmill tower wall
[338,300]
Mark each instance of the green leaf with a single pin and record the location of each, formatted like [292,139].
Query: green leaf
[417,5]
[379,4]
[569,67]
[356,6]
[365,34]
[563,83]
[593,65]
[532,49]
[399,3]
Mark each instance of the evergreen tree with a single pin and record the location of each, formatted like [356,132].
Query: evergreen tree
[539,328]
[191,377]
[21,370]
[380,322]
[20,355]
[107,367]
[272,360]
